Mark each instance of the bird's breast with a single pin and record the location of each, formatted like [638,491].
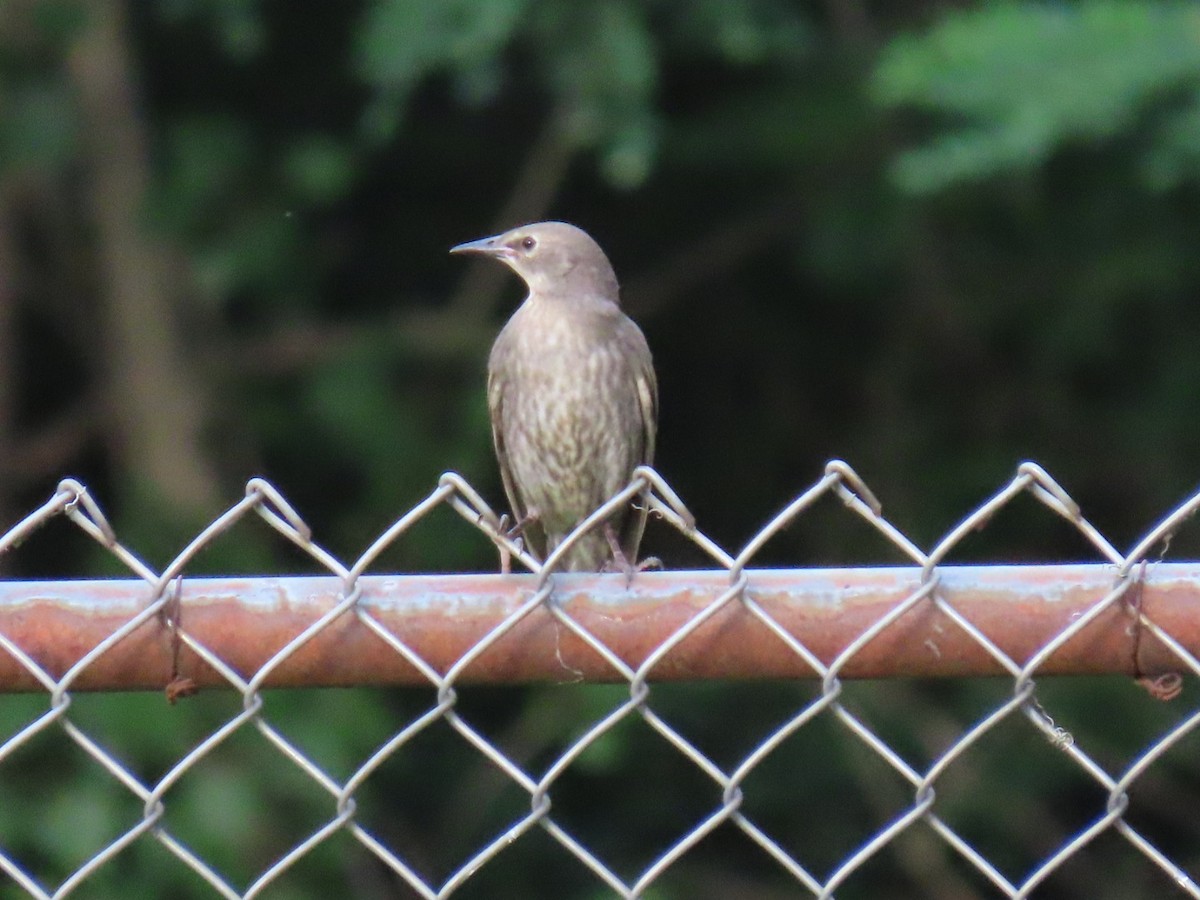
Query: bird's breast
[569,411]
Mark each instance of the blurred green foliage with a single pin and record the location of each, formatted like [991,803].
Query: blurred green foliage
[933,239]
[1023,81]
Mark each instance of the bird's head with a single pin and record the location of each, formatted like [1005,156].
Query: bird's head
[553,258]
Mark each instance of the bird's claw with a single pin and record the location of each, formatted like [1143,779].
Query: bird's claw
[621,563]
[650,562]
[514,532]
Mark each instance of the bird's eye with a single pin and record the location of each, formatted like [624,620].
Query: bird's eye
[528,243]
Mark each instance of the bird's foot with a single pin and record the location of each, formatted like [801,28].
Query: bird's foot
[650,562]
[512,532]
[621,563]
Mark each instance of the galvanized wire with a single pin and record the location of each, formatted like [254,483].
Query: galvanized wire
[166,602]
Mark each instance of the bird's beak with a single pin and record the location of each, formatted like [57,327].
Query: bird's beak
[488,246]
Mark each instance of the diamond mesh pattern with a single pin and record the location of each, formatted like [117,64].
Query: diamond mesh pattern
[726,811]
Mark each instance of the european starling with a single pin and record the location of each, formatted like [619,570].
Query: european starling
[571,393]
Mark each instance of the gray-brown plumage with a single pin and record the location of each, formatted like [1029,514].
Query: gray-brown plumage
[571,392]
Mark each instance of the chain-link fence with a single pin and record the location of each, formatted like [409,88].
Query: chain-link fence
[631,777]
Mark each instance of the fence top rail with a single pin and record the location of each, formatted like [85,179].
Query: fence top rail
[248,621]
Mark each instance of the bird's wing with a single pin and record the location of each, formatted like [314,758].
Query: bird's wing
[647,393]
[532,532]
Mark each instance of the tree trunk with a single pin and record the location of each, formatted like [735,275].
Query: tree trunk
[156,404]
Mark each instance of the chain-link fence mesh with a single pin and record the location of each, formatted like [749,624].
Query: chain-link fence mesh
[939,798]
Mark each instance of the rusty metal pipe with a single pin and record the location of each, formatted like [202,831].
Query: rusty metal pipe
[246,621]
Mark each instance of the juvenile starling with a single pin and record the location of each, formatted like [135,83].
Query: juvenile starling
[572,395]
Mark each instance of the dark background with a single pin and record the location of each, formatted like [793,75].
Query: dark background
[934,239]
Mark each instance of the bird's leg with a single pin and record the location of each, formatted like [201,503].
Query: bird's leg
[505,553]
[524,522]
[621,562]
[513,533]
